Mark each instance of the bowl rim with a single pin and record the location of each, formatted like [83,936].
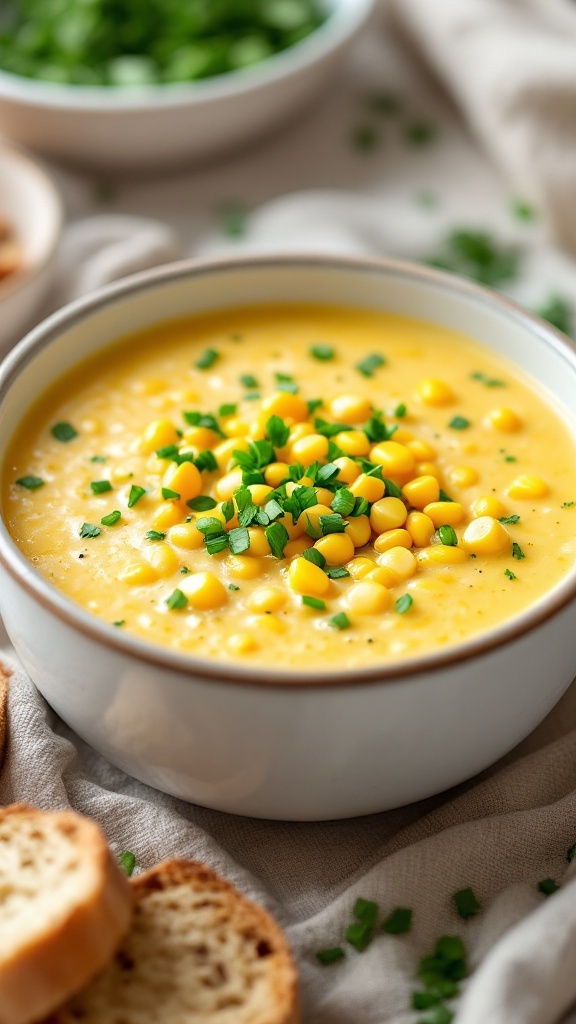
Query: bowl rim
[14,562]
[43,182]
[344,20]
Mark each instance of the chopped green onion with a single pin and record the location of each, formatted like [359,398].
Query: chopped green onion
[448,536]
[227,510]
[273,510]
[459,423]
[177,600]
[90,530]
[366,911]
[340,621]
[100,486]
[466,903]
[232,586]
[155,535]
[127,861]
[167,494]
[314,556]
[239,540]
[403,604]
[399,922]
[170,451]
[359,935]
[489,382]
[332,523]
[400,411]
[284,382]
[330,956]
[64,432]
[203,503]
[135,494]
[548,886]
[111,519]
[277,537]
[371,363]
[314,602]
[207,359]
[322,352]
[31,483]
[425,1001]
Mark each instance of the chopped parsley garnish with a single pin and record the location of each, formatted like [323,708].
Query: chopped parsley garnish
[167,494]
[392,489]
[277,431]
[371,363]
[284,382]
[314,602]
[448,536]
[517,551]
[170,451]
[565,504]
[376,430]
[238,540]
[206,460]
[400,411]
[403,604]
[330,429]
[313,404]
[337,572]
[340,621]
[330,956]
[359,934]
[203,503]
[440,972]
[548,886]
[111,519]
[443,496]
[523,211]
[31,483]
[100,486]
[251,396]
[399,922]
[248,381]
[383,103]
[64,432]
[510,458]
[232,586]
[127,861]
[155,535]
[314,556]
[184,570]
[177,600]
[119,622]
[234,219]
[322,352]
[90,530]
[227,409]
[343,501]
[206,419]
[332,524]
[99,458]
[459,423]
[420,133]
[227,510]
[277,537]
[489,382]
[136,493]
[477,255]
[366,911]
[207,359]
[559,312]
[511,575]
[571,853]
[466,903]
[510,520]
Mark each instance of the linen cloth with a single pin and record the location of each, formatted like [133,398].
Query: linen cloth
[501,832]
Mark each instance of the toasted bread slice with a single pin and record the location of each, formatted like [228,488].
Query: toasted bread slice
[197,953]
[65,906]
[4,677]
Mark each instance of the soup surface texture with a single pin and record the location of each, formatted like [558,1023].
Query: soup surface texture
[306,487]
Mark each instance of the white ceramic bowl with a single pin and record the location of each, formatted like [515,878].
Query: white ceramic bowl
[30,202]
[275,744]
[163,126]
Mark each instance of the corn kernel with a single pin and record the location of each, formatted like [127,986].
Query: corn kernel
[368,598]
[260,493]
[444,513]
[421,450]
[242,567]
[505,420]
[395,459]
[420,527]
[353,442]
[162,558]
[293,529]
[267,622]
[237,428]
[224,487]
[186,536]
[428,469]
[300,430]
[350,409]
[185,479]
[435,392]
[312,448]
[155,465]
[149,386]
[486,536]
[259,546]
[223,451]
[204,591]
[421,491]
[488,506]
[380,574]
[276,473]
[337,548]
[392,539]
[348,470]
[200,437]
[138,574]
[306,578]
[313,515]
[528,487]
[120,474]
[158,434]
[369,487]
[463,476]
[283,404]
[404,436]
[359,530]
[91,426]
[241,643]
[267,599]
[441,554]
[387,514]
[297,546]
[360,567]
[399,561]
[167,515]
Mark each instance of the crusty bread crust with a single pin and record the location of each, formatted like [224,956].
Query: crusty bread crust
[38,976]
[101,1003]
[4,677]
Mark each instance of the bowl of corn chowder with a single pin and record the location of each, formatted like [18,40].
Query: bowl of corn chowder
[292,537]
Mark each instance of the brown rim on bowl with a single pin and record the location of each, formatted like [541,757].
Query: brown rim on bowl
[15,563]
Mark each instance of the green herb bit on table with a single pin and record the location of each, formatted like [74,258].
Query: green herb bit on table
[330,956]
[234,220]
[127,860]
[548,886]
[476,254]
[399,922]
[365,138]
[559,312]
[420,133]
[466,903]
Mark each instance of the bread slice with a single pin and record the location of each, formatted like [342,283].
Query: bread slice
[197,953]
[4,677]
[64,907]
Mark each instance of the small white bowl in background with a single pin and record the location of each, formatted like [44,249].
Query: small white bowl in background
[31,205]
[162,126]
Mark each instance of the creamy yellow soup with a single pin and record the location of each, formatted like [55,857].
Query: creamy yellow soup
[316,488]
